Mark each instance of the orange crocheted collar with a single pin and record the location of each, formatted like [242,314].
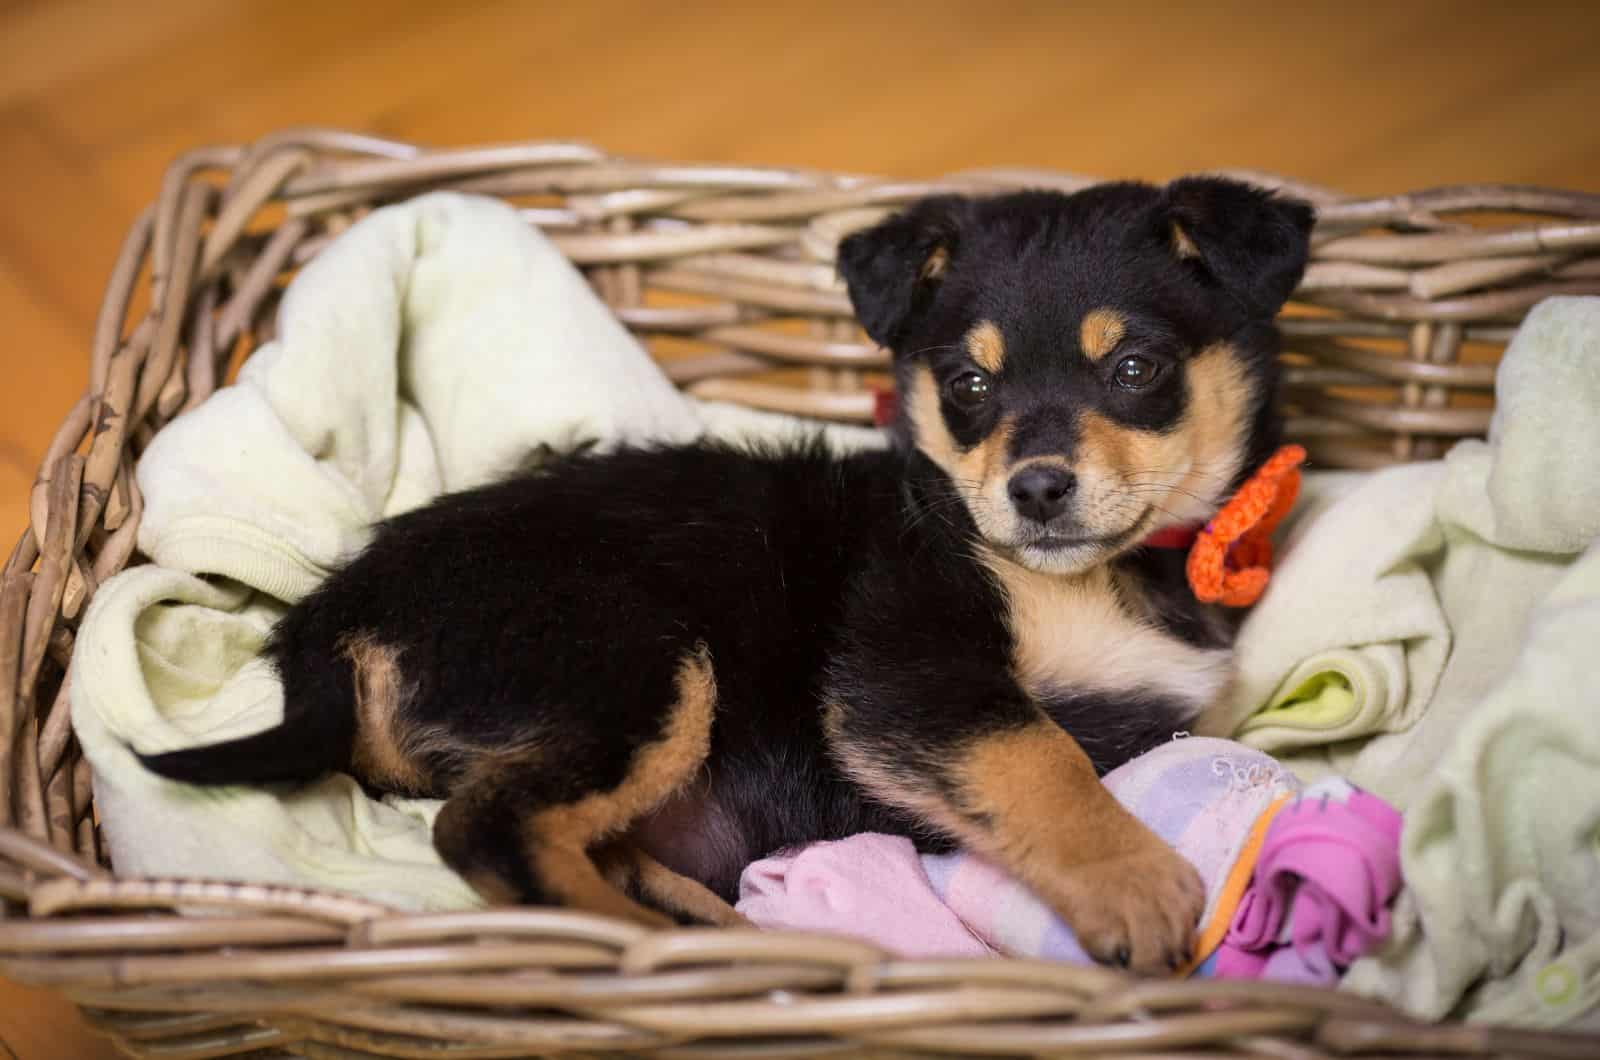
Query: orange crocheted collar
[1230,557]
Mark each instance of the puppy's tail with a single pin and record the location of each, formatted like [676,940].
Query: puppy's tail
[315,736]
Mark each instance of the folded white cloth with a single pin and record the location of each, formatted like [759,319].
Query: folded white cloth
[436,345]
[1430,633]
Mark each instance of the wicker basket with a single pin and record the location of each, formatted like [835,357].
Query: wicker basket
[727,272]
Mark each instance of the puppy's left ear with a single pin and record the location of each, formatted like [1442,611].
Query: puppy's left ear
[1252,242]
[894,268]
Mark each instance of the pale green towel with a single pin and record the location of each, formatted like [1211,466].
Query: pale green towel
[433,346]
[1348,640]
[1501,847]
[168,660]
[1431,634]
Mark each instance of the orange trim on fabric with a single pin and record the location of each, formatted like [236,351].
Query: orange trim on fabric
[1216,929]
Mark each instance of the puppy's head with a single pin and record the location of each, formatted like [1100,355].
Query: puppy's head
[1087,369]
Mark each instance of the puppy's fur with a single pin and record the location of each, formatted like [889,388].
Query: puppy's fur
[631,674]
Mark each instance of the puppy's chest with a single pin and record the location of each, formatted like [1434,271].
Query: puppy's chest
[1099,633]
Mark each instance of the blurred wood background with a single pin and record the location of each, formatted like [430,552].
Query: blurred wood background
[96,96]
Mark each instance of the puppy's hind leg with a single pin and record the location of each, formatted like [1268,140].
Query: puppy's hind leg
[521,825]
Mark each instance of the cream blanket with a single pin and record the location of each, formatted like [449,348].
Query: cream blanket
[1433,634]
[434,346]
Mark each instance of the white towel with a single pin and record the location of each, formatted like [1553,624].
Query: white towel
[435,345]
[1432,633]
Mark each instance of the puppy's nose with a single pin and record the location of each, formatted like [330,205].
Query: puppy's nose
[1041,493]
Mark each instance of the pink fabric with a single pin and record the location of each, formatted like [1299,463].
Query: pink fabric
[1201,795]
[1328,869]
[869,886]
[1325,874]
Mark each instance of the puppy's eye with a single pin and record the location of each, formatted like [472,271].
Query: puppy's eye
[1136,372]
[969,389]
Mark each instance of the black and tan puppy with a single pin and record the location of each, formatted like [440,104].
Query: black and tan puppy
[631,674]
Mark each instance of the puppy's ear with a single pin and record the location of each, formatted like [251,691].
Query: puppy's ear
[893,268]
[1250,241]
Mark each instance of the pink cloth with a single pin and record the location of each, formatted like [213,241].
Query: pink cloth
[1326,870]
[868,886]
[1201,795]
[1329,867]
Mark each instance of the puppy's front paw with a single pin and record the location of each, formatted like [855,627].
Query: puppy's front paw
[1137,910]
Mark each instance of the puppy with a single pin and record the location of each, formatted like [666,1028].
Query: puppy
[631,674]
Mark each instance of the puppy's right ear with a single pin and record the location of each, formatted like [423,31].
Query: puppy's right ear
[893,268]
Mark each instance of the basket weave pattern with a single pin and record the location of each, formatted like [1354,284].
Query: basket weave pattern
[727,273]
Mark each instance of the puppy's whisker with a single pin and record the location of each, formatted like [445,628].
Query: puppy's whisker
[939,507]
[1192,472]
[1168,483]
[931,349]
[1144,490]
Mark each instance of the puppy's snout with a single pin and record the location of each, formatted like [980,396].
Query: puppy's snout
[1041,493]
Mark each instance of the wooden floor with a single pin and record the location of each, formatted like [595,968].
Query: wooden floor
[97,95]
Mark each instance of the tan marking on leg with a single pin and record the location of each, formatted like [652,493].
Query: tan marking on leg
[1100,332]
[1048,819]
[559,838]
[883,778]
[1034,774]
[565,869]
[986,346]
[380,754]
[626,863]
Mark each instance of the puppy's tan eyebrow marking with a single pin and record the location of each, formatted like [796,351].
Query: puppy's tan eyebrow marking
[986,346]
[1100,332]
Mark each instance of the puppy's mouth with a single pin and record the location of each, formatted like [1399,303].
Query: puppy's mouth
[1049,542]
[1074,545]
